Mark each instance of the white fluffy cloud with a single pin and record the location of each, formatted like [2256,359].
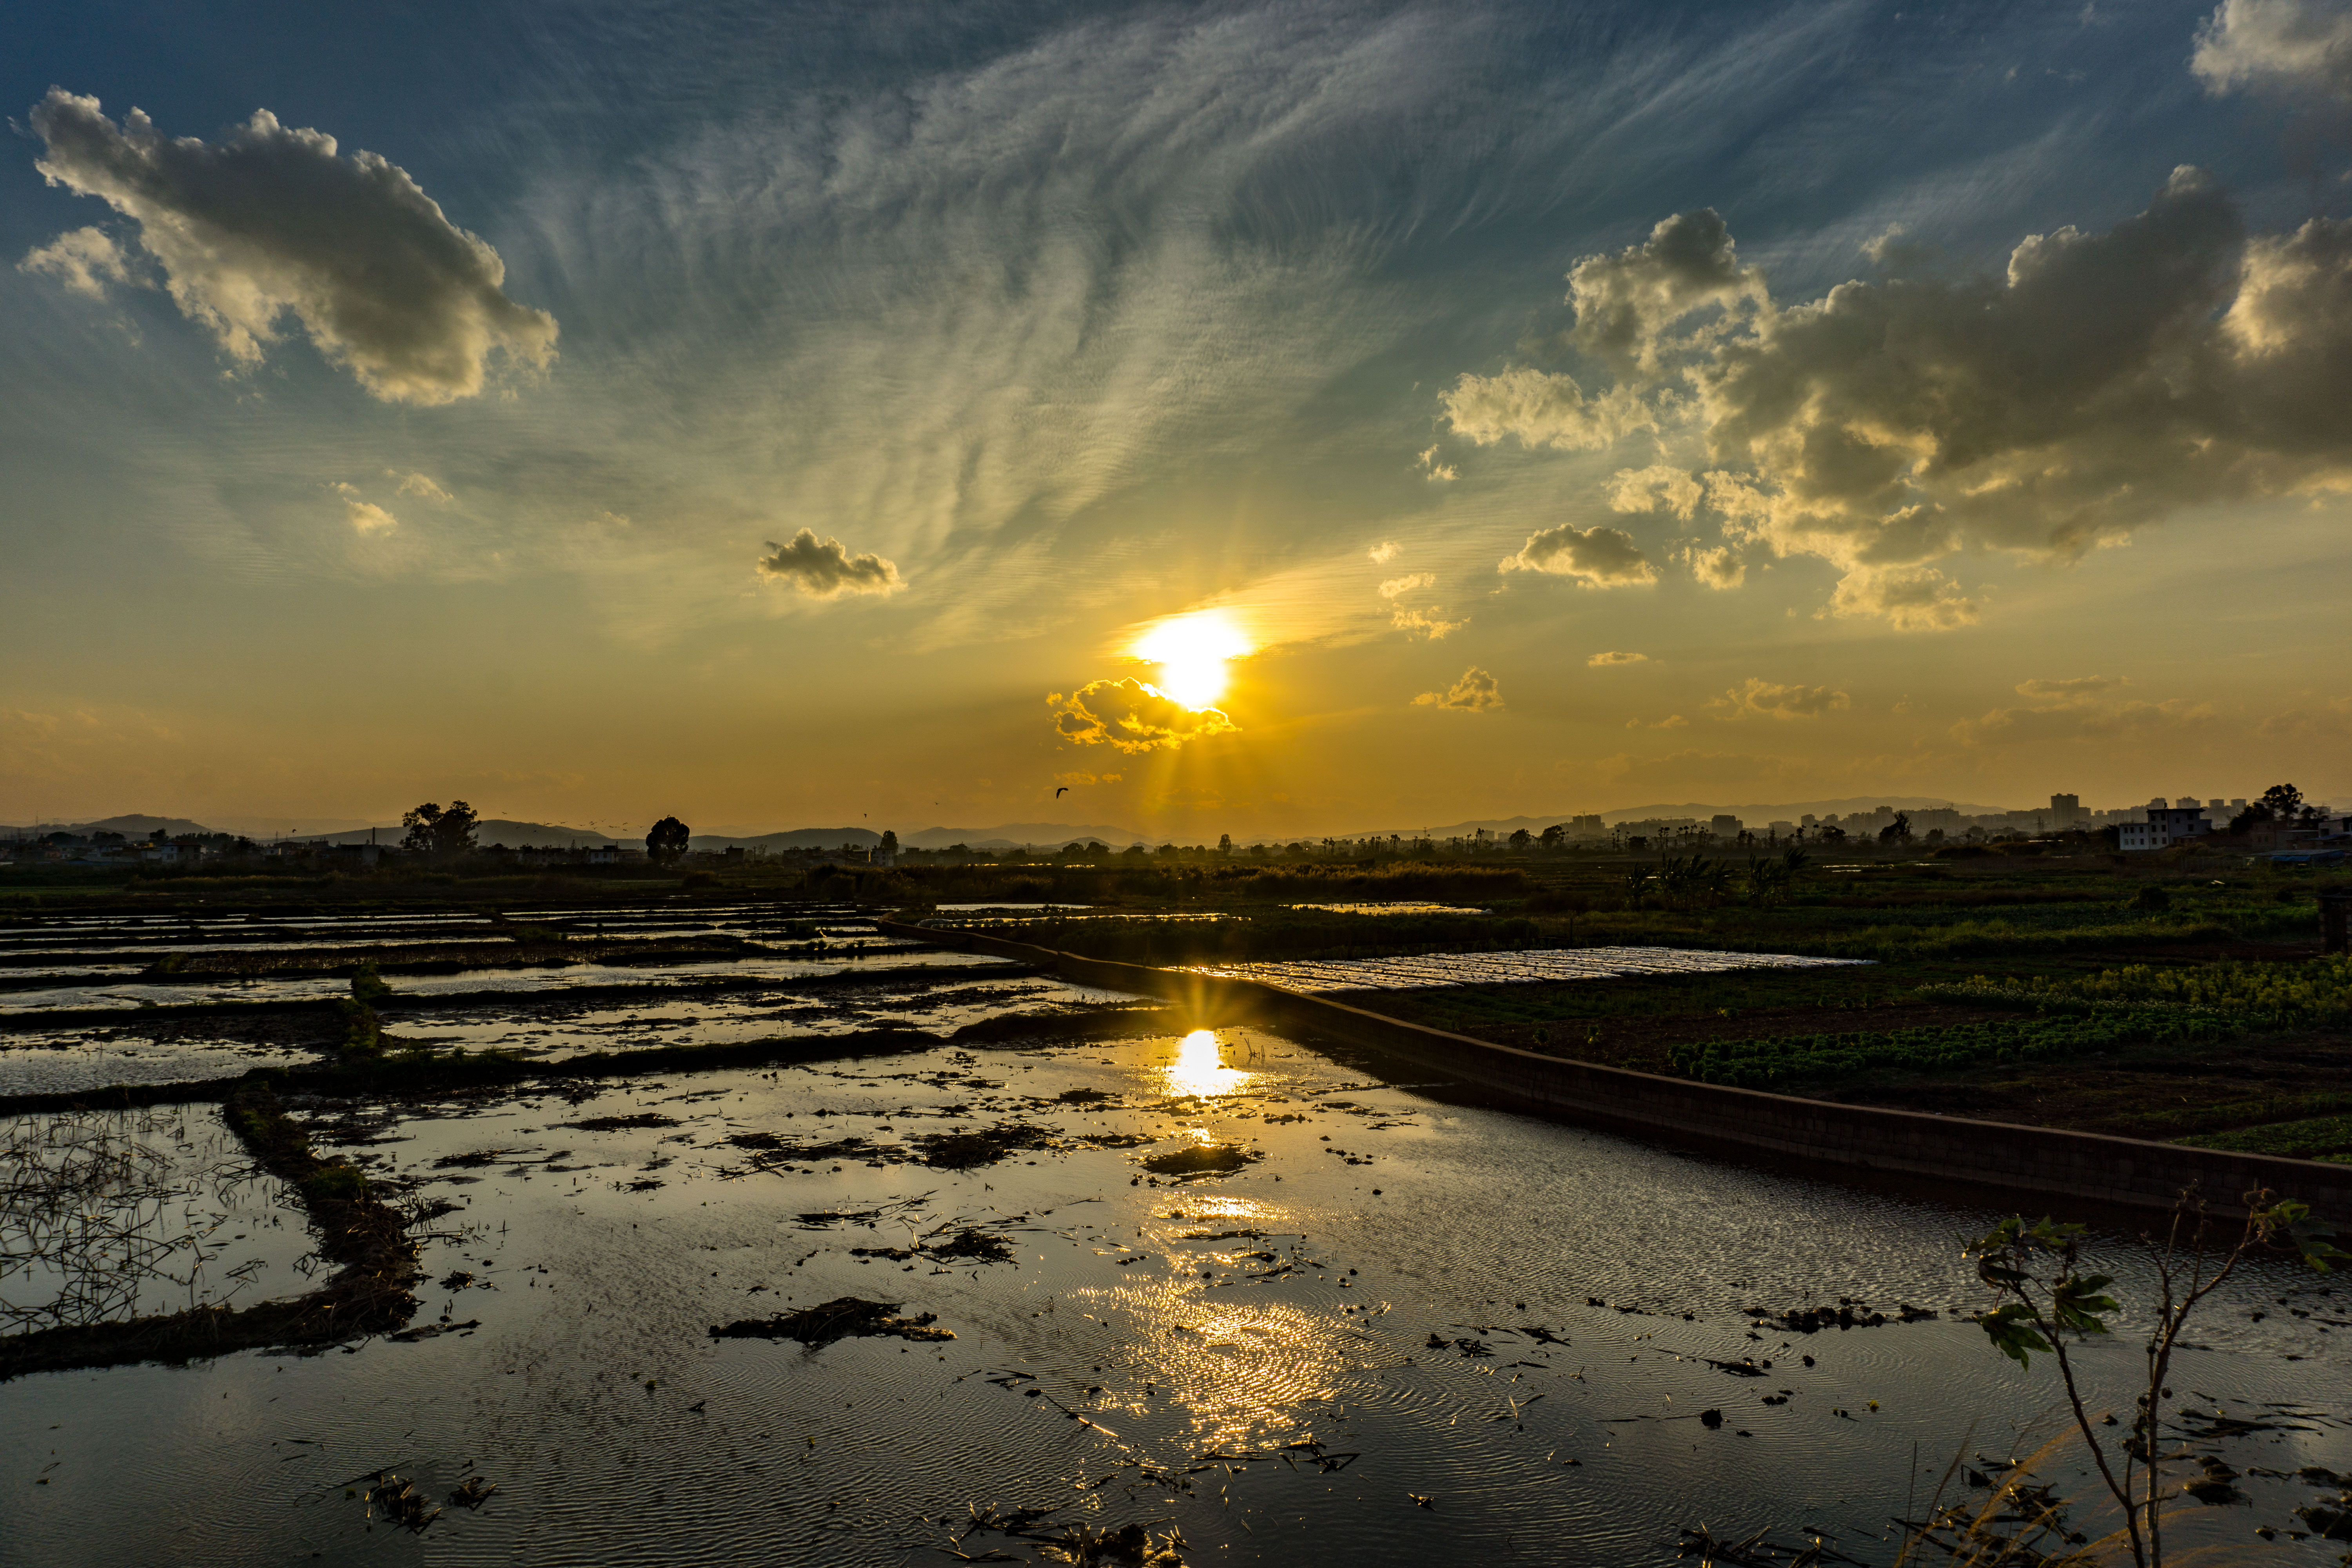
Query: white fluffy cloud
[2293,45]
[1543,409]
[1612,659]
[1660,487]
[273,220]
[1475,692]
[84,259]
[1132,716]
[1718,566]
[2104,382]
[824,569]
[422,485]
[1597,557]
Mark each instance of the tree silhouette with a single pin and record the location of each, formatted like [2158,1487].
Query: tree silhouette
[667,841]
[433,831]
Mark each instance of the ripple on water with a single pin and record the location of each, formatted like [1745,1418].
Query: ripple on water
[609,1230]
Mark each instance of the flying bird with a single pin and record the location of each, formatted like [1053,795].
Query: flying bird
[1061,791]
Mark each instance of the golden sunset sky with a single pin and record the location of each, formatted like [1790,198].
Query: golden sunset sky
[1260,418]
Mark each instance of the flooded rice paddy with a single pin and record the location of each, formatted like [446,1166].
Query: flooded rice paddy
[1294,1306]
[1451,969]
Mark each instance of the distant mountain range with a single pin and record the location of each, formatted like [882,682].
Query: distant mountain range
[133,826]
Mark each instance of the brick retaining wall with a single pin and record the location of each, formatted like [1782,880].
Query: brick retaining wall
[2042,1161]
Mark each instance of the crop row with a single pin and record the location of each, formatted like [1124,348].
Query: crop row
[1790,1059]
[2316,990]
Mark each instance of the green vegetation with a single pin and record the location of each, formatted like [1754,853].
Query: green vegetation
[1788,1061]
[2044,1302]
[2313,1138]
[2280,995]
[363,1035]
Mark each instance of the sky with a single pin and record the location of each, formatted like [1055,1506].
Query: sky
[1249,418]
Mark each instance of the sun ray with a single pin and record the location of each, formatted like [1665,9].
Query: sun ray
[1192,652]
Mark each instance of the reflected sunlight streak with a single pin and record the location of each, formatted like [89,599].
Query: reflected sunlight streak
[1199,1067]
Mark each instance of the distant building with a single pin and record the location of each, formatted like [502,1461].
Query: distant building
[2166,827]
[1782,829]
[1723,826]
[2066,810]
[1590,823]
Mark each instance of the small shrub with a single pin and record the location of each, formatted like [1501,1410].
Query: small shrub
[348,1182]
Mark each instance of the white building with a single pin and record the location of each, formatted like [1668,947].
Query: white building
[2166,826]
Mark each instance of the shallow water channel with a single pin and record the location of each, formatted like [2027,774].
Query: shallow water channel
[1407,1328]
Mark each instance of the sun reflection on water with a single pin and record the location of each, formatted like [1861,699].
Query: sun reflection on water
[1199,1068]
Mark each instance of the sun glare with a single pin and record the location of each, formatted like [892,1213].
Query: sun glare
[1191,651]
[1199,1068]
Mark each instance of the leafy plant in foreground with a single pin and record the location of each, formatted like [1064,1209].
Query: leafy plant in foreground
[2045,1301]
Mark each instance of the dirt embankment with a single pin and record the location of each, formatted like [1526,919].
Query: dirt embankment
[372,1292]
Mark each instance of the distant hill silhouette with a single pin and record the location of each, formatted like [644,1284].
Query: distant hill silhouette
[134,825]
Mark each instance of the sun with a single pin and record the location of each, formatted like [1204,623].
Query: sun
[1190,651]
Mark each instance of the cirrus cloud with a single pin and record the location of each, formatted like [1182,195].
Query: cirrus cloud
[272,220]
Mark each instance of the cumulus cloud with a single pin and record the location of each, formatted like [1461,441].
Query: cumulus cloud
[2302,724]
[2101,383]
[273,220]
[1914,598]
[2073,690]
[824,569]
[1543,408]
[1764,699]
[2075,708]
[84,259]
[365,517]
[1718,566]
[422,485]
[1658,487]
[2296,46]
[1430,466]
[1475,692]
[1597,557]
[1425,623]
[1384,551]
[2082,721]
[1626,304]
[1609,659]
[1133,716]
